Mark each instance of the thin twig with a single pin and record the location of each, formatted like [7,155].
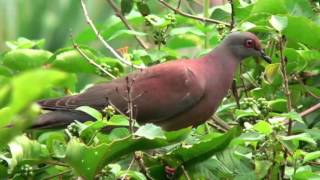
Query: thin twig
[98,35]
[118,13]
[130,165]
[310,110]
[285,79]
[57,175]
[141,165]
[115,107]
[235,93]
[232,15]
[91,61]
[287,93]
[179,4]
[185,173]
[57,163]
[219,123]
[305,88]
[242,79]
[215,126]
[206,15]
[203,19]
[305,112]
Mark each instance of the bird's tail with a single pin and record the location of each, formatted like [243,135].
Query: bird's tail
[60,119]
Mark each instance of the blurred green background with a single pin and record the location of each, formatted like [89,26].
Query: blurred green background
[50,20]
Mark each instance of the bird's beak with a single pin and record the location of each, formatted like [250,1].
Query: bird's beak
[265,57]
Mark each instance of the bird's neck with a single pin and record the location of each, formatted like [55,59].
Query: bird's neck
[222,59]
[220,63]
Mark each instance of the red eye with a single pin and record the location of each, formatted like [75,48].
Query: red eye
[249,43]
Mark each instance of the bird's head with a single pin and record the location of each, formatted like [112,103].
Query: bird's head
[245,44]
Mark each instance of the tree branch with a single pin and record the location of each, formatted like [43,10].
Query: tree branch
[91,61]
[283,62]
[186,175]
[98,35]
[203,19]
[232,15]
[285,79]
[125,22]
[310,110]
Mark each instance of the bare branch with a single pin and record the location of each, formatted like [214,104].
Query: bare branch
[141,165]
[283,63]
[91,61]
[126,172]
[232,23]
[98,35]
[185,173]
[285,79]
[203,19]
[57,175]
[310,110]
[235,93]
[219,123]
[125,22]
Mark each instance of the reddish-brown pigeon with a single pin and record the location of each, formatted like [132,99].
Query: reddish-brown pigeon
[173,95]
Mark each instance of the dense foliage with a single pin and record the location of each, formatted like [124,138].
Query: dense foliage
[266,128]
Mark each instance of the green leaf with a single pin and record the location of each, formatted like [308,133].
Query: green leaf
[23,59]
[295,62]
[302,30]
[88,160]
[143,8]
[263,127]
[227,164]
[300,8]
[132,174]
[20,111]
[118,120]
[25,150]
[70,60]
[239,113]
[55,142]
[125,32]
[271,71]
[126,6]
[279,22]
[156,21]
[184,30]
[4,71]
[30,85]
[278,105]
[24,43]
[269,6]
[311,156]
[91,111]
[300,137]
[202,150]
[305,172]
[221,13]
[262,168]
[309,55]
[150,131]
[293,116]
